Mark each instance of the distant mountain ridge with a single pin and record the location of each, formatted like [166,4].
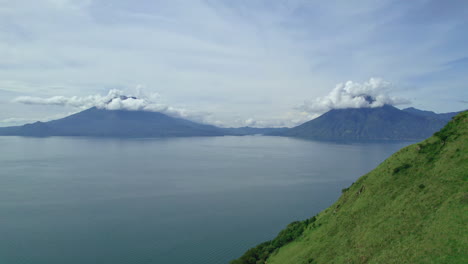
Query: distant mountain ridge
[254,130]
[430,114]
[380,123]
[360,124]
[97,122]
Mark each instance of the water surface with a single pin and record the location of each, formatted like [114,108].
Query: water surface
[180,200]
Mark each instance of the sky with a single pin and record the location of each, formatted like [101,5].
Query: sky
[230,63]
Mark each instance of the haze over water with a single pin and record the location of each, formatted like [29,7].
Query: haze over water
[180,200]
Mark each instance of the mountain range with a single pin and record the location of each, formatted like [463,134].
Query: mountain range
[360,124]
[97,122]
[379,123]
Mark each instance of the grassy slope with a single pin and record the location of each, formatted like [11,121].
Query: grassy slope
[411,209]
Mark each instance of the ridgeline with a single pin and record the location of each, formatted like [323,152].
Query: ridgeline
[96,122]
[411,209]
[384,123]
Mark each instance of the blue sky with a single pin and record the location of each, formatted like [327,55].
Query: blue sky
[230,63]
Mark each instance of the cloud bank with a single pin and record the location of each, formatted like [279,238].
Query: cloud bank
[370,94]
[118,100]
[373,93]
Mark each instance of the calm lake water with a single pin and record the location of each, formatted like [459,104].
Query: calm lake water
[181,200]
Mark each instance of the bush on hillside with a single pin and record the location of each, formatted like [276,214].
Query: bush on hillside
[260,253]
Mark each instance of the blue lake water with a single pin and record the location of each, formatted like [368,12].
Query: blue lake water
[180,200]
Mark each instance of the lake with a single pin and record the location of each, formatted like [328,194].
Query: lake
[179,200]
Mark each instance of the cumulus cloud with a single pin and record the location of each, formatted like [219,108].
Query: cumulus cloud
[372,93]
[250,122]
[288,121]
[117,100]
[73,101]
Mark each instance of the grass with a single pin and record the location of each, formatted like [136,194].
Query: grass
[260,253]
[411,209]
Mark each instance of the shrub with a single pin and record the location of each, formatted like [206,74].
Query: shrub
[260,253]
[403,167]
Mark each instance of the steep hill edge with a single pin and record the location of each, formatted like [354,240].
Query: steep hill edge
[411,209]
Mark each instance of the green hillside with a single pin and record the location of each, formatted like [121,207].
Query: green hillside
[411,209]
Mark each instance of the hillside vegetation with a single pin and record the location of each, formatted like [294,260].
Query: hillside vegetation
[411,209]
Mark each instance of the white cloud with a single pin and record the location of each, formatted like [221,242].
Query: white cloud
[120,100]
[117,100]
[250,122]
[372,93]
[73,101]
